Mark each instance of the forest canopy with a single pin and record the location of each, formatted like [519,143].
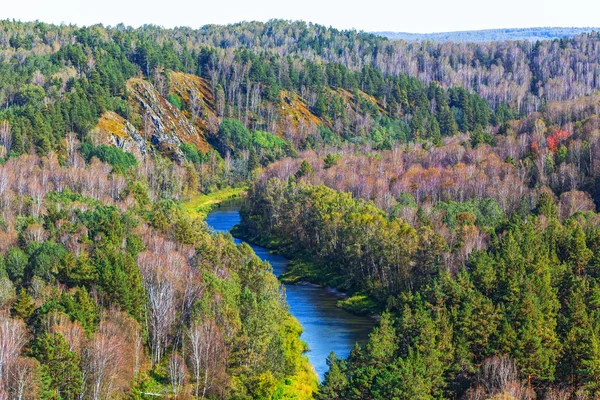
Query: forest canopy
[448,189]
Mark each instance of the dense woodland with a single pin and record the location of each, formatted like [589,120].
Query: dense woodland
[108,291]
[498,292]
[449,188]
[62,79]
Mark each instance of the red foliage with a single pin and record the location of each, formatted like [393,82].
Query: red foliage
[561,135]
[552,142]
[555,139]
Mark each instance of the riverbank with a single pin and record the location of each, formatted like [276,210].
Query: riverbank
[201,205]
[304,383]
[326,327]
[302,271]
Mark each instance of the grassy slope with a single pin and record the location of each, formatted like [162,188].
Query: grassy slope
[201,205]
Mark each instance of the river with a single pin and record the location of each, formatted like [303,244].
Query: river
[326,327]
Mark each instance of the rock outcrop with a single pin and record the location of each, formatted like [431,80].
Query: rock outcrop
[188,112]
[198,100]
[160,125]
[163,124]
[115,130]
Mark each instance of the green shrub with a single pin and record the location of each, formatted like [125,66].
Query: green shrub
[114,156]
[176,101]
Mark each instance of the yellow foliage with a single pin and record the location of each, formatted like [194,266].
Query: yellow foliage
[201,205]
[293,106]
[112,123]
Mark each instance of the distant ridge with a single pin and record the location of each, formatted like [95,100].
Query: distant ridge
[490,35]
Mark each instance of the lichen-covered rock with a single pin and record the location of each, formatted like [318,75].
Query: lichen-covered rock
[159,125]
[117,131]
[163,124]
[293,107]
[198,99]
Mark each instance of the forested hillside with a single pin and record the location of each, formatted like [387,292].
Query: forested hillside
[480,249]
[109,290]
[483,254]
[287,78]
[448,188]
[89,81]
[503,306]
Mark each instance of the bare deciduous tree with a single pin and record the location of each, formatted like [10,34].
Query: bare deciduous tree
[23,380]
[111,357]
[12,338]
[177,373]
[5,136]
[162,275]
[206,352]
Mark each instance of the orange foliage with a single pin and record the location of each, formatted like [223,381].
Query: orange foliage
[535,148]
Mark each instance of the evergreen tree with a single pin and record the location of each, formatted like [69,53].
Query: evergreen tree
[16,263]
[381,348]
[434,132]
[447,123]
[331,160]
[253,160]
[335,380]
[60,364]
[479,136]
[305,170]
[24,306]
[579,254]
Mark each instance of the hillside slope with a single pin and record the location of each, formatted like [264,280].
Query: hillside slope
[161,125]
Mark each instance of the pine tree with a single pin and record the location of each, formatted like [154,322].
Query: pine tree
[447,123]
[412,380]
[77,271]
[16,263]
[537,346]
[577,341]
[330,160]
[591,364]
[480,136]
[417,125]
[305,170]
[547,206]
[253,160]
[433,131]
[60,364]
[579,254]
[335,380]
[382,347]
[24,306]
[81,307]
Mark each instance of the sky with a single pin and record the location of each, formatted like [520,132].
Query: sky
[415,16]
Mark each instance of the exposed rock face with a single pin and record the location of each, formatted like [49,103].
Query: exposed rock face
[117,131]
[160,125]
[199,101]
[163,124]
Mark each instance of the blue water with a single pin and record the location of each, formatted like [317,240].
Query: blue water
[326,327]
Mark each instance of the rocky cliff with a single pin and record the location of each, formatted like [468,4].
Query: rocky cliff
[187,111]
